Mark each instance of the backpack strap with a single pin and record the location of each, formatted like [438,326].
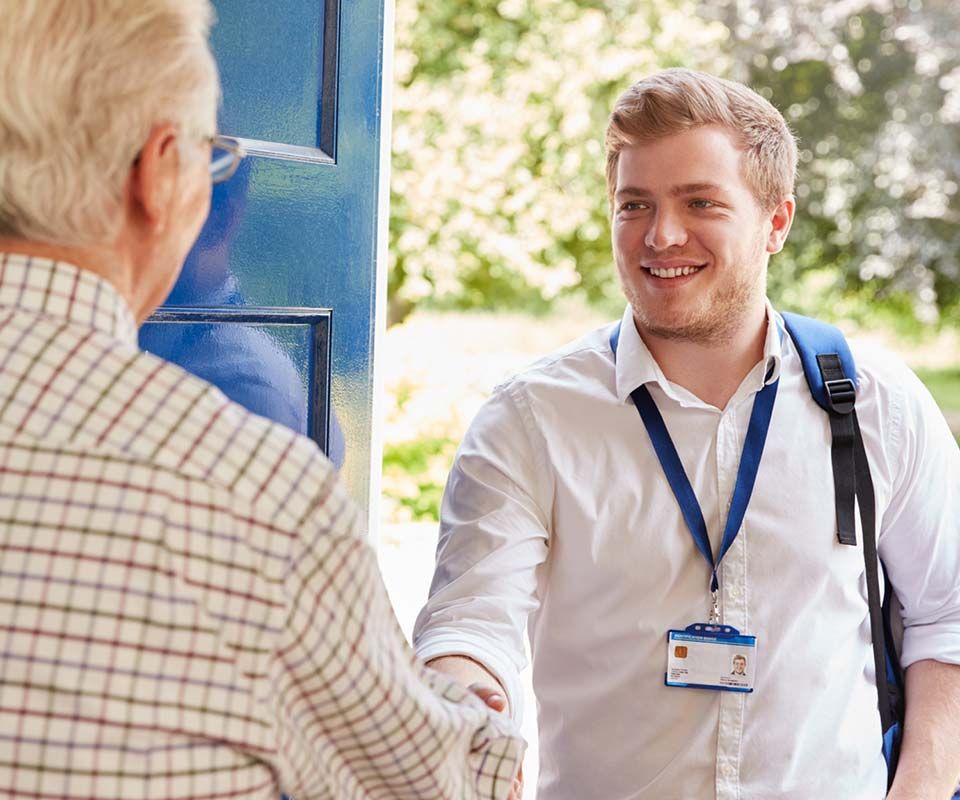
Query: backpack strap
[831,375]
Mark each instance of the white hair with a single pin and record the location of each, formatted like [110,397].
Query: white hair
[82,83]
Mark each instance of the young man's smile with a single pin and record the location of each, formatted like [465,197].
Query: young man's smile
[671,272]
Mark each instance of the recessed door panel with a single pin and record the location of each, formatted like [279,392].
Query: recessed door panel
[278,67]
[274,361]
[296,229]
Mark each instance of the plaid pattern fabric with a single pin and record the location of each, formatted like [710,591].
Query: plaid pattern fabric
[186,609]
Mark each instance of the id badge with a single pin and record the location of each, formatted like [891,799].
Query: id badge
[706,656]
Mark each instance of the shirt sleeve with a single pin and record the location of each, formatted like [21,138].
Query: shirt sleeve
[358,714]
[493,537]
[919,539]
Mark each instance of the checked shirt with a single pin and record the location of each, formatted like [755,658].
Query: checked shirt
[186,608]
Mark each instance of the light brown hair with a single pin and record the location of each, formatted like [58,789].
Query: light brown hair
[678,100]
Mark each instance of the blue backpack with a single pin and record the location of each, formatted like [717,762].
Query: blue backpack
[831,375]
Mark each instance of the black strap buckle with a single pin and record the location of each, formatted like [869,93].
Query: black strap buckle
[841,394]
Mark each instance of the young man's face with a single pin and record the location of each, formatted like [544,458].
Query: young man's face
[690,240]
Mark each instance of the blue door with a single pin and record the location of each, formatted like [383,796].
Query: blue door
[279,300]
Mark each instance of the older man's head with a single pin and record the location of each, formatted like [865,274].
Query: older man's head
[106,112]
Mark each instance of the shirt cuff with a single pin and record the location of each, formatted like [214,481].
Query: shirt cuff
[439,643]
[936,642]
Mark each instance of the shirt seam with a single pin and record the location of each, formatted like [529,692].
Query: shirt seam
[537,453]
[896,423]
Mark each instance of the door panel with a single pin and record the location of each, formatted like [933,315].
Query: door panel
[296,229]
[268,358]
[278,68]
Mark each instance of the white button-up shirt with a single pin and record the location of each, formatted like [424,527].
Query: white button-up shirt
[557,509]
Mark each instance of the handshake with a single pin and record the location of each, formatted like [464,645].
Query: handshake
[478,680]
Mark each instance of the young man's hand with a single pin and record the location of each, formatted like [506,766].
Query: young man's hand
[495,699]
[475,677]
[484,685]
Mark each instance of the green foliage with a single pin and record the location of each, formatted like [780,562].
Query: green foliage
[499,197]
[944,385]
[872,90]
[413,457]
[414,473]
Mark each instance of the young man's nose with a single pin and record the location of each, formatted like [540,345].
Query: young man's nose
[666,230]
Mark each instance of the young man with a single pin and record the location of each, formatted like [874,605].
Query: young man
[187,608]
[558,508]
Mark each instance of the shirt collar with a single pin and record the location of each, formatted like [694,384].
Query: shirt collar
[636,366]
[59,289]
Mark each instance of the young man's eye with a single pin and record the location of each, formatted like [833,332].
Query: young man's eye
[702,203]
[632,205]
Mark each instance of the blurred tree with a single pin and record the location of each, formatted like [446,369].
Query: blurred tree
[498,195]
[872,89]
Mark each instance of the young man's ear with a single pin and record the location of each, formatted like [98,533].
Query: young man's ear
[781,218]
[153,177]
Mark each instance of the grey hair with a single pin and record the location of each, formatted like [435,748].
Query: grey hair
[82,83]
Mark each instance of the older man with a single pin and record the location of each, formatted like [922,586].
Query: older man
[562,508]
[186,607]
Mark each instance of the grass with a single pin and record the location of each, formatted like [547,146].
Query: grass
[414,474]
[944,385]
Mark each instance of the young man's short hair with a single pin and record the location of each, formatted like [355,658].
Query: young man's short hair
[677,100]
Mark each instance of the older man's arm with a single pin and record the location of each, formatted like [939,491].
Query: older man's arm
[358,715]
[484,684]
[929,766]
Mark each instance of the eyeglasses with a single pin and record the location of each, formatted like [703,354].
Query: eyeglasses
[225,157]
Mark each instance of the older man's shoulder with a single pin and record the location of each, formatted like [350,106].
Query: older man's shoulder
[205,437]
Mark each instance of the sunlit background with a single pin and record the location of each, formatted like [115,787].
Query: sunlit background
[499,205]
[499,234]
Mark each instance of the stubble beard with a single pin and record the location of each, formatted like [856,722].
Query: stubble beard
[713,320]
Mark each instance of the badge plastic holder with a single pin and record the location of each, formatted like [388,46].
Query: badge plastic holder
[711,656]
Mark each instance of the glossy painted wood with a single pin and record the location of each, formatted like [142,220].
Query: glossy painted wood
[296,228]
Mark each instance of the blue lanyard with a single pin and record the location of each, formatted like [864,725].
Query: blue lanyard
[677,477]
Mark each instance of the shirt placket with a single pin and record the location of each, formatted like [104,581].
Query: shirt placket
[730,435]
